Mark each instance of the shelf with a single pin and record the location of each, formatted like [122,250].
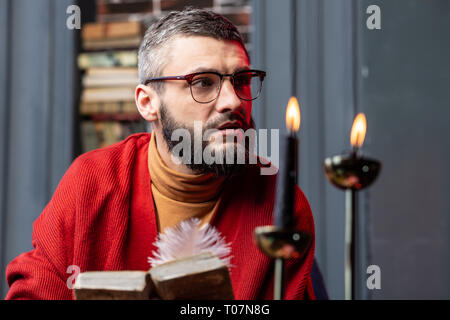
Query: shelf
[113,117]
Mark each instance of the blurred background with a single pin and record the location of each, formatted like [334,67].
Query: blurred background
[65,91]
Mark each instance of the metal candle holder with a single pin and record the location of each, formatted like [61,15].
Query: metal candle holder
[351,173]
[281,241]
[280,244]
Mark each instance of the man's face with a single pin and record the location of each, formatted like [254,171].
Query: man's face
[179,110]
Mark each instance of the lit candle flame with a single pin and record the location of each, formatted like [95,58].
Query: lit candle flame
[293,117]
[358,131]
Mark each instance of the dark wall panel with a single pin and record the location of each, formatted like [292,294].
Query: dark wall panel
[399,77]
[405,95]
[325,93]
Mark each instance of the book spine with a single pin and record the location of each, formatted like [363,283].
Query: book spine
[107,59]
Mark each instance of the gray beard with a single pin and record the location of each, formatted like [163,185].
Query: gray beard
[169,125]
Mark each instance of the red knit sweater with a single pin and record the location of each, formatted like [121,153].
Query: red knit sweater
[102,217]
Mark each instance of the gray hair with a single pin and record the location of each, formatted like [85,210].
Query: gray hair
[153,58]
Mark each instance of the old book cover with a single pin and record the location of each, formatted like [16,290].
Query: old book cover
[203,277]
[113,285]
[89,136]
[107,94]
[119,43]
[111,30]
[124,58]
[113,71]
[109,81]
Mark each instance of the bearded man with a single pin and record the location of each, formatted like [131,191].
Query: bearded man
[111,204]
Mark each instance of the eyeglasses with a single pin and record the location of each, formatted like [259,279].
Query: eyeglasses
[205,86]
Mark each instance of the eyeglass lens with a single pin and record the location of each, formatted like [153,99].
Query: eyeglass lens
[205,87]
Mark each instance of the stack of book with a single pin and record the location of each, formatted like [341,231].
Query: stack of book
[109,78]
[111,35]
[98,134]
[120,10]
[109,90]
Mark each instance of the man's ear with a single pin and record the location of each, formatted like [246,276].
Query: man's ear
[147,102]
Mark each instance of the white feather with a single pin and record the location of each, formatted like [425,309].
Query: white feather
[187,239]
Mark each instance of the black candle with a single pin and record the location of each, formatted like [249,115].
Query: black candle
[287,174]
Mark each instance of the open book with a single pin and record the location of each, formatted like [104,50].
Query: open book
[203,276]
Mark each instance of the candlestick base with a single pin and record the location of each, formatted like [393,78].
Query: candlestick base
[281,243]
[351,172]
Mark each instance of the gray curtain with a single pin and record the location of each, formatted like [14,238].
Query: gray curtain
[37,81]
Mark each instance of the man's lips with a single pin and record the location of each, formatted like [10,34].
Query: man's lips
[231,125]
[228,128]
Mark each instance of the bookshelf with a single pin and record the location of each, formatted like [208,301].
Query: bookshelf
[109,75]
[107,62]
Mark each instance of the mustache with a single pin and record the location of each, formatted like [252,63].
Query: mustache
[230,116]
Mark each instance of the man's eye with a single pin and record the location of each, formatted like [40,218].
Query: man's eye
[203,82]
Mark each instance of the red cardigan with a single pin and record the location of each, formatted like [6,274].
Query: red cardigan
[101,217]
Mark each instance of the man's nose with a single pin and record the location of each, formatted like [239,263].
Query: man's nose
[227,99]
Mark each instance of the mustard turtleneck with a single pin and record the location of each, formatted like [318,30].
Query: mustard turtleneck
[179,196]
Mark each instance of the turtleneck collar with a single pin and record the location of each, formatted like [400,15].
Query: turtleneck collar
[180,186]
